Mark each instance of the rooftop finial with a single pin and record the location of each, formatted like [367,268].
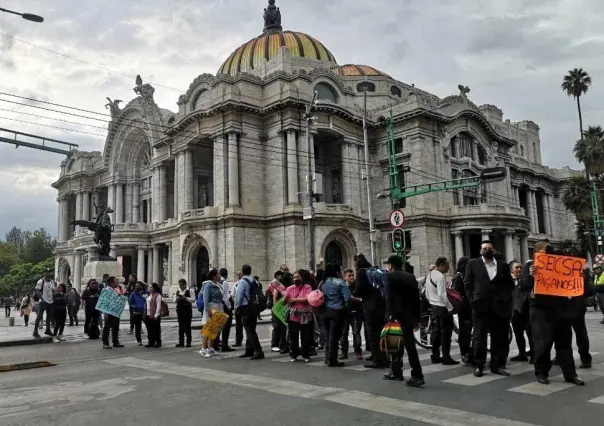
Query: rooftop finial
[272,18]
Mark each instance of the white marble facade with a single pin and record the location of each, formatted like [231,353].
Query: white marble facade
[221,182]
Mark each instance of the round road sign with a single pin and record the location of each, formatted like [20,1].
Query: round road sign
[397,218]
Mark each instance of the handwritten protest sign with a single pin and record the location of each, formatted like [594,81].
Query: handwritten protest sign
[558,275]
[111,303]
[213,327]
[280,311]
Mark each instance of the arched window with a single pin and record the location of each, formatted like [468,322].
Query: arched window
[395,91]
[201,100]
[326,93]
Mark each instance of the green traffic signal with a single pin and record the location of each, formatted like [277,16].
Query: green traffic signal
[398,245]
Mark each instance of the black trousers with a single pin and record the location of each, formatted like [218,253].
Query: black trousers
[7,311]
[333,324]
[485,323]
[185,317]
[154,331]
[581,337]
[300,338]
[353,321]
[396,364]
[520,324]
[279,334]
[374,323]
[137,318]
[226,330]
[239,329]
[60,318]
[465,333]
[72,311]
[249,319]
[442,332]
[131,319]
[112,324]
[550,329]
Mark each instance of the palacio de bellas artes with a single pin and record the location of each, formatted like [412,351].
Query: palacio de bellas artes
[222,181]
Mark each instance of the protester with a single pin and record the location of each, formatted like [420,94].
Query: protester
[246,288]
[184,299]
[90,297]
[137,302]
[60,311]
[354,321]
[212,303]
[45,290]
[153,317]
[299,319]
[112,324]
[228,309]
[26,307]
[73,305]
[338,301]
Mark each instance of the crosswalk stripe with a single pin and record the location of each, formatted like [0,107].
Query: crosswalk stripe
[598,400]
[471,380]
[557,383]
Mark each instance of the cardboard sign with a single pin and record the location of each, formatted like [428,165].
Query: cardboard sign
[213,327]
[280,311]
[111,303]
[559,275]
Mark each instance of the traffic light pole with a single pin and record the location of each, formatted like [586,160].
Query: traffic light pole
[597,220]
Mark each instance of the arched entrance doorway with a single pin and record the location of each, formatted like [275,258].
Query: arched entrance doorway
[333,254]
[202,263]
[64,272]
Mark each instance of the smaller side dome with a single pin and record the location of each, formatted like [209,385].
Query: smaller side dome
[352,70]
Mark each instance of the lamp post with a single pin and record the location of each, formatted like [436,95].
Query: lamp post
[309,215]
[368,87]
[26,16]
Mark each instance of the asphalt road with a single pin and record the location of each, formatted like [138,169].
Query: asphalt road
[134,386]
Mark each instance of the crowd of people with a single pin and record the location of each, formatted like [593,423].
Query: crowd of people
[487,294]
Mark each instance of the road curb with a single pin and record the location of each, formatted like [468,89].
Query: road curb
[26,342]
[25,366]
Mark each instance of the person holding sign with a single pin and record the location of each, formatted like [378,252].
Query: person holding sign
[212,303]
[112,323]
[553,280]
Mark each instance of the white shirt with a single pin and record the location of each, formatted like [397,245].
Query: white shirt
[225,286]
[157,305]
[491,268]
[47,290]
[437,294]
[190,299]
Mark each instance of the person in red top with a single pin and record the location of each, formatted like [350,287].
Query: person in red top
[300,318]
[279,334]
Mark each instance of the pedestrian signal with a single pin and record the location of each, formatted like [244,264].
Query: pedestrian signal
[398,240]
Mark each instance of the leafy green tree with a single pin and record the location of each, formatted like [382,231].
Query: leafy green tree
[16,237]
[23,277]
[38,246]
[9,256]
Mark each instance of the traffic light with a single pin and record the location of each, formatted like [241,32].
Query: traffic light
[398,240]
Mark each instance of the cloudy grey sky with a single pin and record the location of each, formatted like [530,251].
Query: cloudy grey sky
[512,54]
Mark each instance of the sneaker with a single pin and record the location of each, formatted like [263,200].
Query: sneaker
[275,349]
[306,359]
[203,352]
[293,359]
[212,352]
[60,338]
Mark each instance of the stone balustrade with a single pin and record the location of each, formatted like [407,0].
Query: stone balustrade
[486,209]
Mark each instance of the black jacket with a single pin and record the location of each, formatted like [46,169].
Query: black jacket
[486,294]
[402,297]
[372,299]
[458,286]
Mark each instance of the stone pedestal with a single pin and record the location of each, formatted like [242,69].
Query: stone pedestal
[99,266]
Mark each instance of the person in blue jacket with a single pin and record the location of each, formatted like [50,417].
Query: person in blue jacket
[137,306]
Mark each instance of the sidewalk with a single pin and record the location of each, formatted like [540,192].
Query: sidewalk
[19,335]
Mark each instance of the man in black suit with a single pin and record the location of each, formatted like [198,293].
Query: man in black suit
[520,316]
[402,305]
[489,287]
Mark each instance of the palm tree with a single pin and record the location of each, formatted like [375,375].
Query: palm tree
[575,84]
[589,150]
[577,198]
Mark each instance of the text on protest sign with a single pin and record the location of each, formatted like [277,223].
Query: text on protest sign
[213,327]
[111,303]
[280,311]
[559,275]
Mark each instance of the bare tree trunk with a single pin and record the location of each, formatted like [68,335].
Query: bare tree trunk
[581,129]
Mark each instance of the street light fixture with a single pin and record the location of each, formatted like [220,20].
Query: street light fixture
[26,16]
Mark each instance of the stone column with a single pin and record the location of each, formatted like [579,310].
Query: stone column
[460,197]
[524,251]
[550,208]
[233,159]
[154,203]
[529,210]
[111,201]
[64,219]
[346,174]
[546,215]
[313,169]
[188,184]
[509,246]
[486,234]
[77,270]
[78,209]
[157,259]
[136,203]
[517,196]
[219,160]
[119,203]
[149,266]
[86,205]
[177,165]
[292,168]
[458,244]
[128,204]
[535,212]
[169,274]
[140,264]
[163,193]
[475,150]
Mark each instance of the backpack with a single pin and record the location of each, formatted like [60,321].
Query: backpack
[199,302]
[377,278]
[454,297]
[164,311]
[257,298]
